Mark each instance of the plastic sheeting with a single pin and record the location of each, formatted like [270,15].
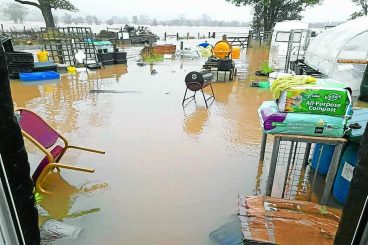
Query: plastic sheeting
[267,220]
[347,41]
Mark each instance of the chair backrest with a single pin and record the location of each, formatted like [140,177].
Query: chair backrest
[37,128]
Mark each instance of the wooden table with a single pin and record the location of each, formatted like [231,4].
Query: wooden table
[339,142]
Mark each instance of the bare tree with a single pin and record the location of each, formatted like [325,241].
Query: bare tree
[15,12]
[67,19]
[46,7]
[89,19]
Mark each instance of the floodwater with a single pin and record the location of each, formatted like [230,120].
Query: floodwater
[171,175]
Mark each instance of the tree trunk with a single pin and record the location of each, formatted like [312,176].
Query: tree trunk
[47,14]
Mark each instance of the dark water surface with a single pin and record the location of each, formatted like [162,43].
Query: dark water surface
[171,175]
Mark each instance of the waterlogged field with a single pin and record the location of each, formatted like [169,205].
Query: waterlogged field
[171,175]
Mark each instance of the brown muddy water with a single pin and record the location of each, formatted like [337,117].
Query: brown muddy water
[171,175]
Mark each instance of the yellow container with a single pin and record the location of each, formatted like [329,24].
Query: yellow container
[71,69]
[222,49]
[235,53]
[43,56]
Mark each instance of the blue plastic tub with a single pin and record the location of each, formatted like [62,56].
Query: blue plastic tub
[39,76]
[326,157]
[349,160]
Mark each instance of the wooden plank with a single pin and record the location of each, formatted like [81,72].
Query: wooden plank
[310,139]
[347,61]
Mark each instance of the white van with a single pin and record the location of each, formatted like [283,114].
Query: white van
[280,39]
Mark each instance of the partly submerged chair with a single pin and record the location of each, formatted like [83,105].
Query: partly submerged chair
[46,138]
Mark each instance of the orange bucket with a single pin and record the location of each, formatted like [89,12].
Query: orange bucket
[235,53]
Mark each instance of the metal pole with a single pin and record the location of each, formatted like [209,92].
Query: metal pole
[330,178]
[307,153]
[9,220]
[263,147]
[316,171]
[288,166]
[272,171]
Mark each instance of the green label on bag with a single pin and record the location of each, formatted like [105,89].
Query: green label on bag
[317,101]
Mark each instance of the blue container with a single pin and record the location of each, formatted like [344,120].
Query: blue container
[326,157]
[349,160]
[38,76]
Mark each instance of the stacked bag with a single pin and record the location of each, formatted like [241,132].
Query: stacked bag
[307,106]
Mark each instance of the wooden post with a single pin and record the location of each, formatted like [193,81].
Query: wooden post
[356,198]
[177,37]
[165,36]
[209,34]
[181,45]
[250,37]
[199,35]
[188,36]
[2,28]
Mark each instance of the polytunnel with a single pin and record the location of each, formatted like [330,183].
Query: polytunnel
[341,53]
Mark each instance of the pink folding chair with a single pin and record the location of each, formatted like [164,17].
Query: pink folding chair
[47,139]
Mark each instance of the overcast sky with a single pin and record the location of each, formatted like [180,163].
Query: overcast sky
[330,10]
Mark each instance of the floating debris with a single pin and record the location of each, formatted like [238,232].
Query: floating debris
[141,63]
[154,72]
[53,230]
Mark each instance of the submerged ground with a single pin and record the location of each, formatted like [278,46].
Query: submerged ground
[171,175]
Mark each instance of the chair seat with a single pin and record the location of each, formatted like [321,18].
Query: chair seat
[55,152]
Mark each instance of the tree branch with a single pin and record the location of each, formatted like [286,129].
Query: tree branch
[28,3]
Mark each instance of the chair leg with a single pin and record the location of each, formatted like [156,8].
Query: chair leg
[204,97]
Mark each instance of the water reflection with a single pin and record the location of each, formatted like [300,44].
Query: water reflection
[195,123]
[60,202]
[57,102]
